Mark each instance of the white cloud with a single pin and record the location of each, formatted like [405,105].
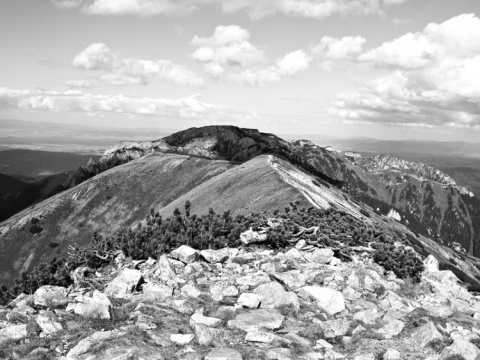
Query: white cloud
[344,48]
[289,65]
[434,79]
[82,84]
[67,4]
[227,47]
[73,100]
[256,9]
[133,71]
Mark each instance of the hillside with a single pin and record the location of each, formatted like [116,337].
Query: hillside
[426,199]
[32,163]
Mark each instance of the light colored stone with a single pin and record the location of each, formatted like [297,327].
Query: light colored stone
[255,320]
[215,256]
[293,279]
[249,300]
[220,289]
[209,336]
[50,296]
[392,329]
[191,290]
[279,354]
[185,254]
[321,343]
[250,237]
[260,336]
[197,319]
[426,333]
[96,306]
[320,256]
[182,339]
[124,284]
[21,300]
[368,356]
[224,354]
[391,354]
[368,317]
[154,291]
[431,264]
[48,322]
[274,297]
[253,280]
[327,299]
[334,328]
[462,348]
[165,269]
[14,332]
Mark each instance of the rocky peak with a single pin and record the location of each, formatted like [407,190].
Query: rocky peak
[388,163]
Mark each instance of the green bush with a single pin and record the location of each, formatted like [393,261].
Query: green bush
[402,261]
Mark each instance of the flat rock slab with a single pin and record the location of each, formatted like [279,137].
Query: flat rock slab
[96,306]
[327,299]
[255,320]
[274,296]
[15,332]
[182,339]
[124,283]
[204,320]
[224,354]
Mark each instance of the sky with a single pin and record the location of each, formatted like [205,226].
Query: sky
[387,69]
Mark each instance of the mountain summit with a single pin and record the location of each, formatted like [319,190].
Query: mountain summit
[241,171]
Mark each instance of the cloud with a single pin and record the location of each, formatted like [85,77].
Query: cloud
[433,80]
[132,71]
[289,65]
[190,107]
[256,9]
[67,4]
[82,84]
[331,51]
[227,47]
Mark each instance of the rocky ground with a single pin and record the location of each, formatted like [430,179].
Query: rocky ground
[303,303]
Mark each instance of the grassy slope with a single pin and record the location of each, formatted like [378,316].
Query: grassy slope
[119,197]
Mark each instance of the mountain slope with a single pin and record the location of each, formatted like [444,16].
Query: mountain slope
[422,197]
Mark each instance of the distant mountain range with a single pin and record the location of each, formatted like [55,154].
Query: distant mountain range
[243,171]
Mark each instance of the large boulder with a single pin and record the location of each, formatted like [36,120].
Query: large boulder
[327,299]
[124,284]
[426,333]
[431,264]
[14,332]
[48,322]
[215,256]
[96,306]
[255,320]
[293,279]
[460,349]
[165,269]
[274,297]
[50,296]
[250,236]
[185,254]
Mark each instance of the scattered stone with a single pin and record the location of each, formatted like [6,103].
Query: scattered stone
[253,280]
[391,354]
[260,336]
[249,300]
[165,270]
[97,306]
[293,279]
[431,264]
[185,254]
[191,290]
[50,296]
[274,297]
[250,236]
[461,349]
[215,256]
[224,354]
[320,256]
[207,336]
[334,328]
[392,329]
[279,354]
[327,299]
[124,284]
[255,320]
[182,339]
[14,332]
[426,333]
[48,322]
[198,319]
[153,291]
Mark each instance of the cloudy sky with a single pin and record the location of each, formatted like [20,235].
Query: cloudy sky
[390,69]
